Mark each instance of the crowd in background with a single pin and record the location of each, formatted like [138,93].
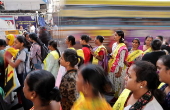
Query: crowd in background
[135,78]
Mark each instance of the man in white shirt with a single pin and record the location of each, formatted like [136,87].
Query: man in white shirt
[32,28]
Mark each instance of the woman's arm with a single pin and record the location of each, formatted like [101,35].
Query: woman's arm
[14,64]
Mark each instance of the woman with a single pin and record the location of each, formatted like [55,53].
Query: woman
[39,87]
[91,88]
[100,53]
[44,36]
[156,52]
[163,68]
[68,83]
[141,91]
[134,54]
[116,64]
[26,35]
[21,65]
[35,51]
[2,69]
[51,62]
[147,44]
[70,42]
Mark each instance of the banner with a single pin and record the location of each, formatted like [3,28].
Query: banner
[6,23]
[23,22]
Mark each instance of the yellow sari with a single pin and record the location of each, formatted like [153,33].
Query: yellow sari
[90,104]
[148,50]
[133,55]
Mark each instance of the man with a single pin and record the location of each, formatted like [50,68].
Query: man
[32,28]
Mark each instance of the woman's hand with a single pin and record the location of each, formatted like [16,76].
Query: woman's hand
[118,74]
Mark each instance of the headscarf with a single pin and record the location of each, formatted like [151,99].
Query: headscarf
[11,38]
[11,49]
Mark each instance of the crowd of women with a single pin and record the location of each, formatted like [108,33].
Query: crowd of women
[138,78]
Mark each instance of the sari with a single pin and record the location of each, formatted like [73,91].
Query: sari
[83,103]
[134,56]
[104,62]
[147,51]
[119,55]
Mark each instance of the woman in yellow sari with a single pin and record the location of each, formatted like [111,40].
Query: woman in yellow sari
[100,53]
[147,44]
[141,91]
[134,54]
[116,64]
[91,88]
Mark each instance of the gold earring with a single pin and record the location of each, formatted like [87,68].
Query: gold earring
[32,97]
[84,91]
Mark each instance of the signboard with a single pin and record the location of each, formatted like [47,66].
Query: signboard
[24,21]
[15,32]
[6,23]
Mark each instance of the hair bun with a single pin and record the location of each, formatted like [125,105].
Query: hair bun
[55,94]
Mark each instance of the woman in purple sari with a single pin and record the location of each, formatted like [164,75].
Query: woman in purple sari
[100,53]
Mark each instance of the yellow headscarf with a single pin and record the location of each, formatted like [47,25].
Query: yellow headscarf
[11,38]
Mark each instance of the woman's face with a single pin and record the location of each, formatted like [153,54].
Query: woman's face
[148,41]
[27,38]
[130,80]
[163,72]
[116,37]
[135,44]
[26,91]
[67,41]
[7,41]
[18,44]
[96,41]
[62,61]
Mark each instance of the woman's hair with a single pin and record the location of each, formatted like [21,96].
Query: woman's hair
[22,39]
[147,37]
[161,38]
[34,37]
[71,56]
[137,40]
[25,34]
[146,71]
[3,43]
[166,61]
[95,76]
[53,43]
[100,38]
[71,39]
[121,34]
[85,38]
[43,83]
[156,44]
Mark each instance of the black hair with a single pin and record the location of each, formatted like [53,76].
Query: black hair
[146,71]
[156,44]
[43,83]
[147,37]
[71,39]
[161,38]
[100,38]
[95,75]
[34,37]
[121,34]
[3,43]
[25,34]
[71,56]
[137,40]
[86,38]
[165,60]
[22,39]
[53,43]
